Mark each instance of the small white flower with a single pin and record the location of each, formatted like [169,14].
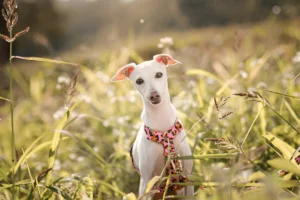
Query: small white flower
[276,9]
[96,149]
[244,74]
[57,165]
[160,45]
[296,59]
[72,156]
[262,85]
[106,123]
[80,159]
[63,80]
[103,77]
[59,113]
[166,41]
[85,98]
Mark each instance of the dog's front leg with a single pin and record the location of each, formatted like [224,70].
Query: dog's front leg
[142,188]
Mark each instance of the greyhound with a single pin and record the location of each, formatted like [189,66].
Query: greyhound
[159,115]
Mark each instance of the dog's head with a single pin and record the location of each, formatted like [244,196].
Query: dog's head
[149,77]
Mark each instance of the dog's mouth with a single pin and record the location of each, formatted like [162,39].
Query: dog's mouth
[155,102]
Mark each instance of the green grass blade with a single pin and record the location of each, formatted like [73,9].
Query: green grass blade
[247,134]
[38,59]
[23,182]
[86,146]
[292,112]
[282,94]
[25,154]
[204,73]
[56,140]
[285,120]
[222,155]
[114,188]
[36,149]
[5,99]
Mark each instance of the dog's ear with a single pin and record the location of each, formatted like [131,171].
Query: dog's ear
[165,59]
[123,72]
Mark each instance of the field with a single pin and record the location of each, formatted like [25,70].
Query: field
[237,94]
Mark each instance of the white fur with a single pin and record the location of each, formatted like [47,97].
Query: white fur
[148,155]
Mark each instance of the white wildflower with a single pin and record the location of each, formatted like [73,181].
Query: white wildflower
[244,74]
[85,98]
[296,59]
[103,77]
[63,80]
[57,165]
[59,113]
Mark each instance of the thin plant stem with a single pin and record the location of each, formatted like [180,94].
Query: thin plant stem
[13,149]
[252,125]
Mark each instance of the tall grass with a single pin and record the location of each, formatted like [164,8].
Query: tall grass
[73,139]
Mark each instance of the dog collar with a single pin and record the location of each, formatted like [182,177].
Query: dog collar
[175,166]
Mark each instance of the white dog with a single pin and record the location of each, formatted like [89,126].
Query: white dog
[160,125]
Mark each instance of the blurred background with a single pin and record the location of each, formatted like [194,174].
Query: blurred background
[225,47]
[59,25]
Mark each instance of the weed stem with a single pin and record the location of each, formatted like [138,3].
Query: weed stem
[13,149]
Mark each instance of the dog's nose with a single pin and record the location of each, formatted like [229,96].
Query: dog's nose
[154,97]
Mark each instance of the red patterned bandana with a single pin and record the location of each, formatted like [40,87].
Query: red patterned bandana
[175,166]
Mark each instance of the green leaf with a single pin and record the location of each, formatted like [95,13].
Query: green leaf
[256,176]
[289,183]
[38,59]
[114,188]
[27,154]
[23,182]
[282,94]
[59,192]
[286,150]
[56,140]
[130,196]
[280,163]
[151,183]
[5,99]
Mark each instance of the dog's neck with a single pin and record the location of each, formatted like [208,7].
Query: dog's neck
[159,117]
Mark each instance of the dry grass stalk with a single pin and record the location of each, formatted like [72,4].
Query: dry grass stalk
[221,103]
[246,95]
[227,114]
[216,104]
[71,90]
[253,96]
[10,15]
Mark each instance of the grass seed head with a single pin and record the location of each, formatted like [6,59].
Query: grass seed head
[10,13]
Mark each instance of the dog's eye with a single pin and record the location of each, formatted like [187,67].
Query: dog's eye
[139,81]
[158,75]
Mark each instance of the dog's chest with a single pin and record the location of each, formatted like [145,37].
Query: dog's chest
[149,155]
